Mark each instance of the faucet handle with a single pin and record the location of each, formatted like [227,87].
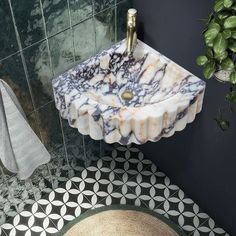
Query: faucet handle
[132,11]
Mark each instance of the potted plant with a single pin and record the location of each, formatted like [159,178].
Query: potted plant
[219,60]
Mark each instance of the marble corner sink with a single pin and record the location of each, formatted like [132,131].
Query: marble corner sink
[165,97]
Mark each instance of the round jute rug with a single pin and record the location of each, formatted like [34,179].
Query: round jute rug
[121,220]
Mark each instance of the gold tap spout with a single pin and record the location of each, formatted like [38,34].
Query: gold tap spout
[131,30]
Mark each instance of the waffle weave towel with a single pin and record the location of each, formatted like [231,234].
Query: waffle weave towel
[21,151]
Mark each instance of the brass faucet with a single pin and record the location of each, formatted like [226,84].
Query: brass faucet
[131,30]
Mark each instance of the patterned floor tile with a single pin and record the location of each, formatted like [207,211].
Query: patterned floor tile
[209,228]
[30,223]
[126,164]
[182,211]
[64,204]
[98,181]
[123,177]
[123,196]
[152,187]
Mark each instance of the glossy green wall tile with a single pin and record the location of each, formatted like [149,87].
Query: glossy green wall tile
[122,9]
[56,14]
[7,36]
[84,40]
[80,10]
[105,29]
[50,127]
[100,5]
[62,51]
[37,60]
[29,21]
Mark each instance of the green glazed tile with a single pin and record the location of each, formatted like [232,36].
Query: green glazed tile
[80,10]
[7,37]
[62,51]
[105,29]
[100,5]
[50,127]
[12,72]
[40,73]
[69,132]
[84,40]
[122,9]
[29,21]
[56,14]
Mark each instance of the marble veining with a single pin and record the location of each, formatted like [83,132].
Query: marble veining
[166,96]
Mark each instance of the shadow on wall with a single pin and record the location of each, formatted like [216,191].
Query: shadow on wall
[200,159]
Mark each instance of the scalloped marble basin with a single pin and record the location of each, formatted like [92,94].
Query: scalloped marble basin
[164,96]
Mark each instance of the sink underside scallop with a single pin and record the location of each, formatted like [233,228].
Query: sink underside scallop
[162,96]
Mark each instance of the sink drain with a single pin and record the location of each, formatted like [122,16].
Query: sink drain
[127,95]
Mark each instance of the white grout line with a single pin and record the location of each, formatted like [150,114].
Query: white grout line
[9,56]
[45,32]
[72,33]
[94,27]
[52,71]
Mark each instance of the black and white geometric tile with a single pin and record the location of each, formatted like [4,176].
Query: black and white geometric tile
[17,195]
[124,176]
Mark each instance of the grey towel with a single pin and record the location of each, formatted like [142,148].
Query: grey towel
[21,151]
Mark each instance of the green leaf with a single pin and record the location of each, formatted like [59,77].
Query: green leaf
[228,3]
[219,5]
[214,24]
[227,64]
[209,69]
[209,43]
[226,33]
[202,60]
[232,46]
[233,77]
[230,22]
[212,32]
[221,56]
[231,97]
[220,44]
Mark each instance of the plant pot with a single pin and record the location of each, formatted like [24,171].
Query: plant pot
[223,76]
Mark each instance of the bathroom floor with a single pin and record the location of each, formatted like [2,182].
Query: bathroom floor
[123,176]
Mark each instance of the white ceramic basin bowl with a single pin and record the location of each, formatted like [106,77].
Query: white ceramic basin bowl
[165,96]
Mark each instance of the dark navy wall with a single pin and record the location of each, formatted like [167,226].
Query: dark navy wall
[201,159]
